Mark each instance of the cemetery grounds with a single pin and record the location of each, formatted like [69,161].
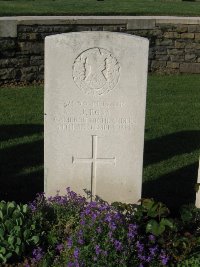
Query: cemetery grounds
[172,130]
[171,156]
[99,7]
[171,149]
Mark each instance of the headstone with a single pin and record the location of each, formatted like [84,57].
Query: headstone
[198,193]
[95,94]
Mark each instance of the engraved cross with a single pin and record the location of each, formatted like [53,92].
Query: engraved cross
[94,160]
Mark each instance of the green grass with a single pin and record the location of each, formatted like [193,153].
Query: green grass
[21,146]
[172,140]
[94,7]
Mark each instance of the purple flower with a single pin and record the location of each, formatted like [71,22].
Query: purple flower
[108,218]
[164,258]
[76,253]
[139,246]
[94,216]
[82,222]
[132,231]
[59,247]
[141,257]
[37,254]
[97,250]
[87,211]
[118,245]
[153,250]
[112,226]
[99,230]
[80,240]
[33,206]
[70,264]
[69,242]
[148,259]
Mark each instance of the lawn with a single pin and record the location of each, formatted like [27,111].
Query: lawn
[172,140]
[94,7]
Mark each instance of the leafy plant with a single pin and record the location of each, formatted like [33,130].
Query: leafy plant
[70,230]
[16,231]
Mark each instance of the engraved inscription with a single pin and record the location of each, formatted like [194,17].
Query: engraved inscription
[96,71]
[96,116]
[93,161]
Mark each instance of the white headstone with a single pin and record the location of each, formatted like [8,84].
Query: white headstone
[95,98]
[198,193]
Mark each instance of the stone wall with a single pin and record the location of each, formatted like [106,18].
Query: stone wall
[174,42]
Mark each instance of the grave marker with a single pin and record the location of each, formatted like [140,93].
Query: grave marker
[95,98]
[198,193]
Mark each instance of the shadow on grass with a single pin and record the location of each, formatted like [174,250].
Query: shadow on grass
[19,178]
[8,132]
[175,188]
[166,147]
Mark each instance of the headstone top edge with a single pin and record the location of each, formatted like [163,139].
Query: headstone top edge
[100,33]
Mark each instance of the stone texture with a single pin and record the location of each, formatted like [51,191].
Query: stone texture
[8,27]
[141,24]
[172,39]
[7,43]
[165,42]
[171,35]
[31,48]
[190,57]
[197,36]
[187,35]
[173,65]
[192,28]
[190,67]
[95,94]
[177,58]
[175,51]
[112,28]
[179,44]
[182,28]
[158,64]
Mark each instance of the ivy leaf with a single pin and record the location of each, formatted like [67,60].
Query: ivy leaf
[35,239]
[155,228]
[2,250]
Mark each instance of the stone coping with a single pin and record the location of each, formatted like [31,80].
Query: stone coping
[8,25]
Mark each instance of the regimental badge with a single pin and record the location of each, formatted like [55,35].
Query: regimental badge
[96,71]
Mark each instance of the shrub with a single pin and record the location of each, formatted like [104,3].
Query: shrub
[17,234]
[71,231]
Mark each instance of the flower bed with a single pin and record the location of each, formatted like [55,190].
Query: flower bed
[72,231]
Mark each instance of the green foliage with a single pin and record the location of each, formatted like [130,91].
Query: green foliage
[157,228]
[179,237]
[54,219]
[153,214]
[16,231]
[192,261]
[94,7]
[69,230]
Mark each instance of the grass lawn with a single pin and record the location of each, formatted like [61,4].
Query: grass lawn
[172,140]
[94,7]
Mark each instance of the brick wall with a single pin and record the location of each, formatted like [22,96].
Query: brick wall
[174,42]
